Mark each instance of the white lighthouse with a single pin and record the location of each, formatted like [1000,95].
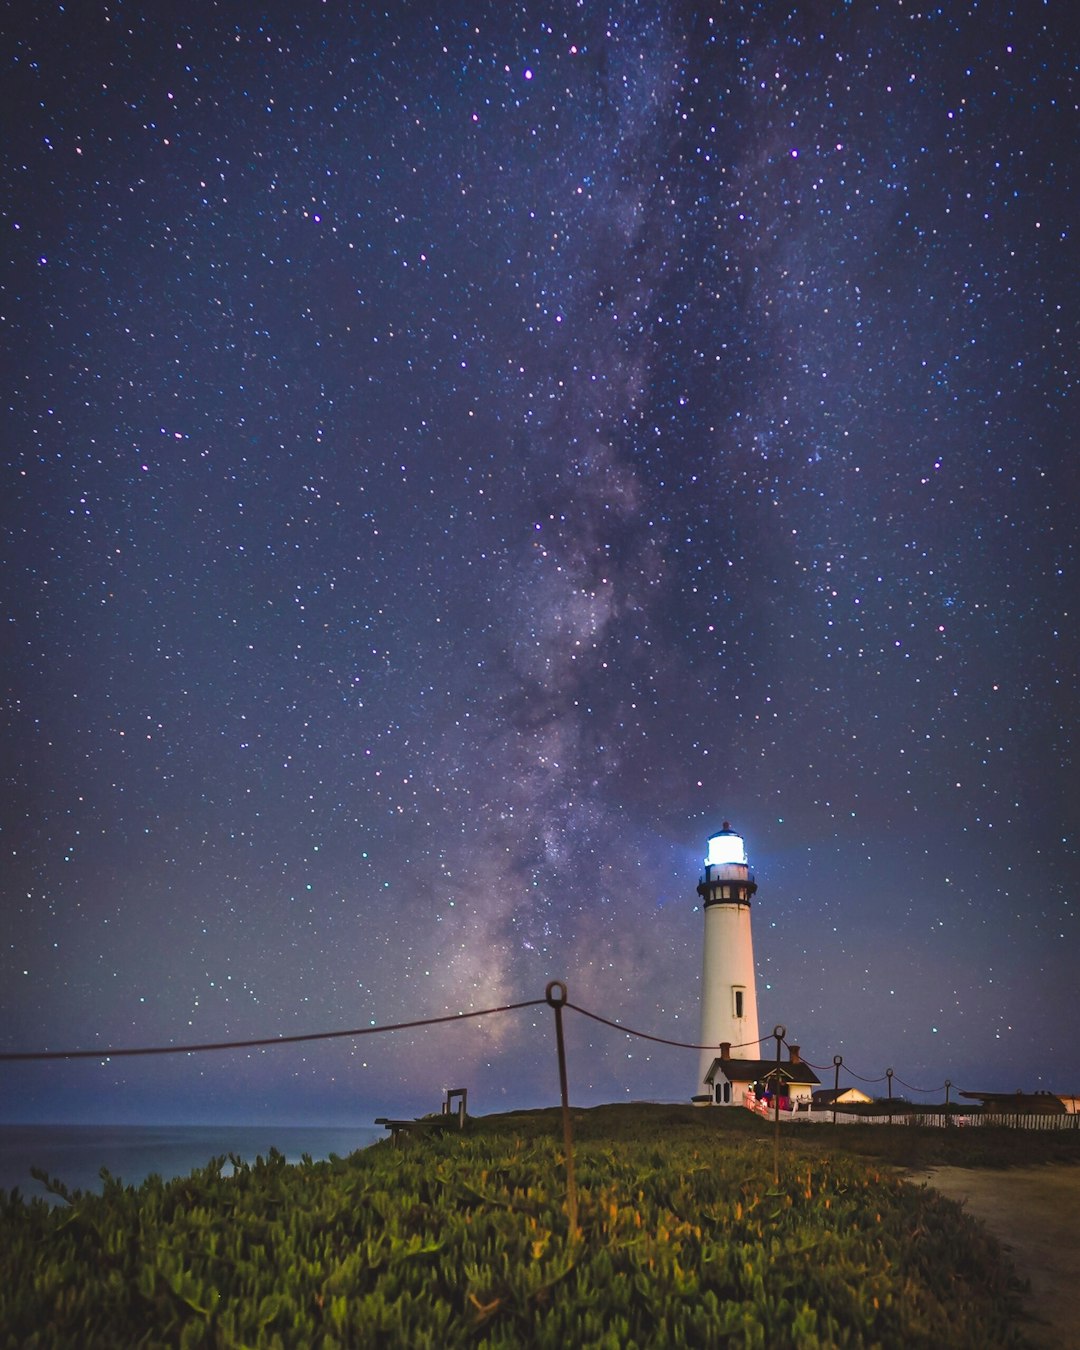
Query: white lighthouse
[729,1015]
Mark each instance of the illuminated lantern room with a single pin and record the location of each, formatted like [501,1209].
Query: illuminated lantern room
[727,878]
[725,847]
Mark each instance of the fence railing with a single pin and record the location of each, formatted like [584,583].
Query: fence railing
[556,997]
[1013,1120]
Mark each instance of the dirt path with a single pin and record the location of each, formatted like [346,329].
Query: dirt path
[1035,1213]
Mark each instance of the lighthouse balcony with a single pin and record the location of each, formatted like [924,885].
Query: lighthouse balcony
[723,891]
[728,872]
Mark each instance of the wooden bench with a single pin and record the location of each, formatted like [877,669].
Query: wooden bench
[399,1127]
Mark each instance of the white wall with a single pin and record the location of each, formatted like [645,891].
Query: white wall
[727,963]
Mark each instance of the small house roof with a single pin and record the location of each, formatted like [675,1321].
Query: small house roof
[1029,1102]
[751,1070]
[826,1096]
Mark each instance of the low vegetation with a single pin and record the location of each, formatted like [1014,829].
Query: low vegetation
[462,1239]
[916,1147]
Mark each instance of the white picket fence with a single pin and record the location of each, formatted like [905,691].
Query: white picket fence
[1013,1120]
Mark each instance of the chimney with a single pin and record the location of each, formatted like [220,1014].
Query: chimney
[725,1049]
[794,1049]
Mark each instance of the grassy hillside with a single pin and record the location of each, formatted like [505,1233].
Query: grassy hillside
[462,1239]
[907,1145]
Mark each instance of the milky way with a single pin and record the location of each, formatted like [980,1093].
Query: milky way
[457,456]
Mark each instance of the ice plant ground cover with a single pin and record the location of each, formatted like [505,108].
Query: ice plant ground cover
[461,1239]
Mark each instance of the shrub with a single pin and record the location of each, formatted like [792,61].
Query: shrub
[462,1240]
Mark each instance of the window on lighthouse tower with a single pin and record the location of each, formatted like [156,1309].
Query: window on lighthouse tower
[738,1000]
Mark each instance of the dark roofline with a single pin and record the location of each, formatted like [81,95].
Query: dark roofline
[750,1070]
[1048,1102]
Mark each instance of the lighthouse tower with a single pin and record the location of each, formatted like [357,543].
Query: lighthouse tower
[728,989]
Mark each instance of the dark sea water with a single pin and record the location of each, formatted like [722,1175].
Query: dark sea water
[75,1154]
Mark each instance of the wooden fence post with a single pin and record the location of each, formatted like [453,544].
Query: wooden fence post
[779,1032]
[558,1000]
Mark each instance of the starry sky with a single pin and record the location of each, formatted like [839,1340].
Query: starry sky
[455,456]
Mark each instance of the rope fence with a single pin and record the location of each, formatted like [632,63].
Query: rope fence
[867,1080]
[660,1040]
[887,1076]
[119,1052]
[910,1088]
[555,996]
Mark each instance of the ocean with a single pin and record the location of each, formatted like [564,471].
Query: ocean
[75,1154]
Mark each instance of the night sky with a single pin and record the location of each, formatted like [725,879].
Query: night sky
[456,456]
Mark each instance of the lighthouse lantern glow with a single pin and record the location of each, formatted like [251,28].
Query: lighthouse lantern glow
[725,849]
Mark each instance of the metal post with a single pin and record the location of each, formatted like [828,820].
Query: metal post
[888,1075]
[948,1085]
[779,1032]
[557,1001]
[837,1061]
